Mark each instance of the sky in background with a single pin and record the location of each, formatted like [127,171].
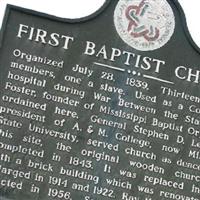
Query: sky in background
[81,8]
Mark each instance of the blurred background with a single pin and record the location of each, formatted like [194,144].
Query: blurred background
[82,8]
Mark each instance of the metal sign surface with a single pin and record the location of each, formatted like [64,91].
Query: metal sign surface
[100,108]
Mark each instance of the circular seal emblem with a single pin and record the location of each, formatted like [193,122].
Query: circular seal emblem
[144,24]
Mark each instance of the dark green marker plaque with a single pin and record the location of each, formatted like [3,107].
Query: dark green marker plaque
[105,107]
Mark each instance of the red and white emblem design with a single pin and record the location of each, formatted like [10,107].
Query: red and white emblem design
[144,24]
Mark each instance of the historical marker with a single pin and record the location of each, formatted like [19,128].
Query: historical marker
[101,108]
